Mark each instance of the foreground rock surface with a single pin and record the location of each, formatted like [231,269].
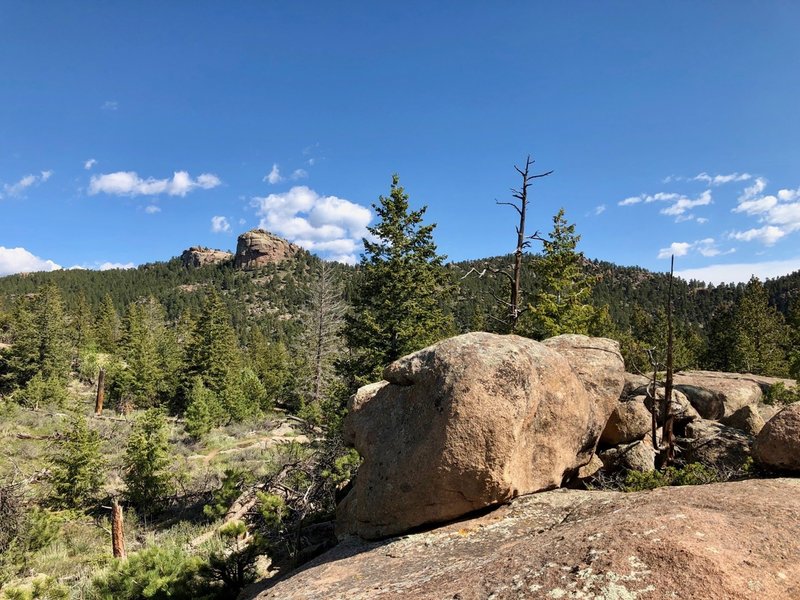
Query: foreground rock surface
[725,541]
[473,421]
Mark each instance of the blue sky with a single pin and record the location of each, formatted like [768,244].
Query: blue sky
[130,131]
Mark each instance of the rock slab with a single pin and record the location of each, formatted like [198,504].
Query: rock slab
[726,541]
[474,421]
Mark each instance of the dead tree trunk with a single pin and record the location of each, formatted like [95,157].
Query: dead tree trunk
[117,531]
[514,306]
[101,393]
[669,438]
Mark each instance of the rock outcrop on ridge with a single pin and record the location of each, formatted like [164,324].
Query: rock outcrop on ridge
[474,421]
[258,248]
[199,256]
[725,541]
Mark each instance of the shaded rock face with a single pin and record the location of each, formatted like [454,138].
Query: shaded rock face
[470,422]
[728,541]
[778,443]
[199,256]
[257,248]
[718,445]
[748,419]
[630,421]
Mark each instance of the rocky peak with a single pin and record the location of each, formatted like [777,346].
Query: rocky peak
[257,248]
[199,256]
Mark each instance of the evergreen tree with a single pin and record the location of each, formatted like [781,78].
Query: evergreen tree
[77,466]
[82,324]
[54,348]
[20,363]
[147,462]
[562,304]
[400,303]
[107,326]
[760,334]
[202,409]
[270,362]
[214,350]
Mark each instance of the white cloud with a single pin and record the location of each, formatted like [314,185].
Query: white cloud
[630,201]
[680,205]
[89,164]
[19,260]
[128,183]
[18,188]
[274,176]
[701,220]
[325,224]
[779,215]
[721,179]
[152,209]
[767,235]
[110,105]
[109,266]
[706,247]
[741,272]
[220,225]
[675,248]
[299,174]
[757,205]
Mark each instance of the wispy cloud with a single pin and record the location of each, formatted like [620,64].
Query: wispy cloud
[767,235]
[713,180]
[274,176]
[110,105]
[128,183]
[597,210]
[299,174]
[152,209]
[329,225]
[679,204]
[220,225]
[18,188]
[89,164]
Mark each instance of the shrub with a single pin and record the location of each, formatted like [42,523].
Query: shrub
[691,474]
[781,395]
[229,491]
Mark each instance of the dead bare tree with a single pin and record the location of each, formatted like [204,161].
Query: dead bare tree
[513,306]
[669,438]
[321,340]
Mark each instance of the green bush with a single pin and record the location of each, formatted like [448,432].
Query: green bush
[158,572]
[691,474]
[222,499]
[780,395]
[77,466]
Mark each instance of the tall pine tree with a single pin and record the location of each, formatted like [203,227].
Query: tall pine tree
[399,305]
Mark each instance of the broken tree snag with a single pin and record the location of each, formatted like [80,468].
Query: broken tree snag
[117,530]
[101,393]
[669,438]
[523,241]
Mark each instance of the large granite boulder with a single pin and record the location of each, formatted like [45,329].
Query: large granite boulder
[717,395]
[258,248]
[473,421]
[778,443]
[724,541]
